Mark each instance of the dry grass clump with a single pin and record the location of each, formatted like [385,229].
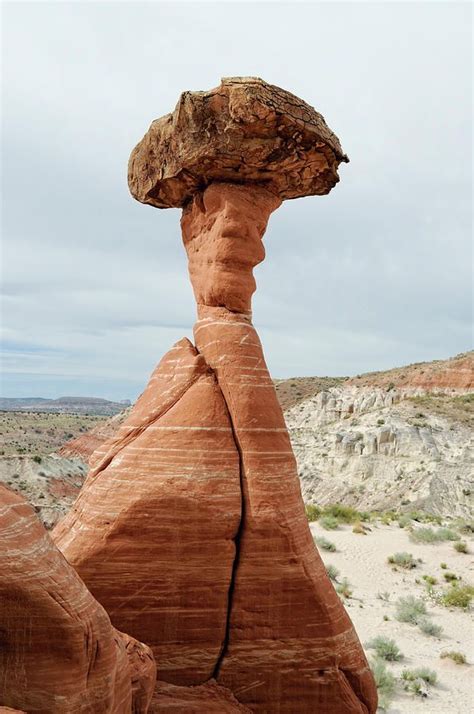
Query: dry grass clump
[409,609]
[332,571]
[417,681]
[461,546]
[312,512]
[428,627]
[458,596]
[384,681]
[402,560]
[429,535]
[457,657]
[385,648]
[325,544]
[344,588]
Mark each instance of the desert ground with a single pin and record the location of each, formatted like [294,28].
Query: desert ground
[376,586]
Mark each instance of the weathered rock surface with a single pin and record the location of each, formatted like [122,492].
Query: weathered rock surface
[152,533]
[208,698]
[244,131]
[59,653]
[374,449]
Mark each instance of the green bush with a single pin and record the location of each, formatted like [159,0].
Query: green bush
[457,657]
[428,627]
[428,676]
[332,571]
[450,577]
[443,566]
[384,681]
[458,596]
[429,579]
[385,648]
[344,514]
[409,609]
[461,546]
[37,459]
[429,535]
[325,544]
[312,512]
[329,523]
[344,588]
[403,560]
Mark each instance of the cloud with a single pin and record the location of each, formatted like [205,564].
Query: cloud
[373,275]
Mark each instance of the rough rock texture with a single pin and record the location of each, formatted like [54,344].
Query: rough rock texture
[152,533]
[209,698]
[373,449]
[244,131]
[59,653]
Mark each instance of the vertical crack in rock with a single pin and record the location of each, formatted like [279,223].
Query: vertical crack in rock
[237,540]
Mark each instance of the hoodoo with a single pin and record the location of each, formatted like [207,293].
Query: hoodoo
[190,529]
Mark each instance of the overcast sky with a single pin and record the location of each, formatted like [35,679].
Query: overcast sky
[377,274]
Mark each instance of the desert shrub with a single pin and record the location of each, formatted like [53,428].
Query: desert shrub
[384,681]
[458,596]
[344,588]
[466,527]
[429,535]
[429,579]
[450,577]
[387,517]
[312,512]
[344,514]
[37,459]
[403,560]
[404,521]
[329,523]
[385,648]
[443,566]
[461,546]
[457,657]
[428,676]
[359,528]
[325,544]
[409,609]
[385,596]
[428,627]
[332,571]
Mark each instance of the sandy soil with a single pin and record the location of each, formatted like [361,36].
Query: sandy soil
[363,560]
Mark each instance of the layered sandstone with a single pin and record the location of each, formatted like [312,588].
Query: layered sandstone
[59,653]
[208,698]
[152,533]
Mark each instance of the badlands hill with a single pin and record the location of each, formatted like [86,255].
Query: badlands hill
[400,439]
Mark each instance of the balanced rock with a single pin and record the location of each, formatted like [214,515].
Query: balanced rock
[59,654]
[190,528]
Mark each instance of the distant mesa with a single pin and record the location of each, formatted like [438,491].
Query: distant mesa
[66,405]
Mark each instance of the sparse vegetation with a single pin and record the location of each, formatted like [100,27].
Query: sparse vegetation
[329,523]
[344,588]
[359,528]
[409,609]
[461,546]
[429,535]
[429,579]
[384,681]
[332,571]
[325,544]
[457,657]
[402,560]
[428,627]
[450,577]
[312,512]
[458,596]
[385,596]
[443,566]
[385,648]
[426,675]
